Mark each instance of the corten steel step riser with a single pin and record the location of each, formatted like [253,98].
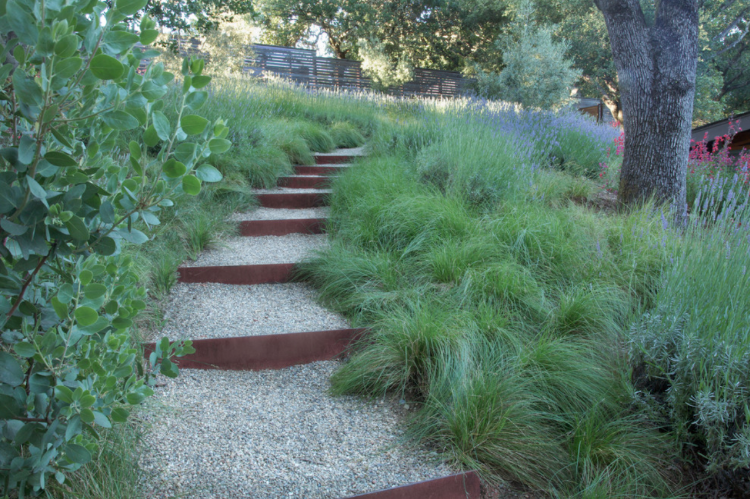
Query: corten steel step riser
[273,351]
[460,486]
[254,228]
[334,159]
[306,182]
[318,170]
[271,273]
[293,200]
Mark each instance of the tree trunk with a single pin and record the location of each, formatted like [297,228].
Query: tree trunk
[656,68]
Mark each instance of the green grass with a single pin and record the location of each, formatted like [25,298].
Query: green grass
[345,134]
[499,303]
[112,474]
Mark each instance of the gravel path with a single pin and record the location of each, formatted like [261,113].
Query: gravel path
[240,250]
[281,214]
[274,434]
[197,311]
[268,434]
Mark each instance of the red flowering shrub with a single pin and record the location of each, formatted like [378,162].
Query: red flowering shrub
[716,167]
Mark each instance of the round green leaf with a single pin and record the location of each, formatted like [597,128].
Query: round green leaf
[85,277]
[219,146]
[120,323]
[77,453]
[120,41]
[65,293]
[208,173]
[201,81]
[135,398]
[120,120]
[64,394]
[101,420]
[59,158]
[106,67]
[66,46]
[152,91]
[10,370]
[150,137]
[24,349]
[148,36]
[68,67]
[135,149]
[162,126]
[85,316]
[87,401]
[21,22]
[94,291]
[106,246]
[193,124]
[77,229]
[120,415]
[111,307]
[173,168]
[195,100]
[130,7]
[61,309]
[191,185]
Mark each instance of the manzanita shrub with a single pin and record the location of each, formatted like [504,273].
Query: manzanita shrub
[72,191]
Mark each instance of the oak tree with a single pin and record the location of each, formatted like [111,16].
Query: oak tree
[656,65]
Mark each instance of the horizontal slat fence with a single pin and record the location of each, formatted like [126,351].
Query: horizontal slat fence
[305,68]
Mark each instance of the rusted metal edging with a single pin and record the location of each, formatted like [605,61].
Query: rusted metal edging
[318,169]
[305,181]
[253,228]
[271,351]
[294,200]
[271,273]
[460,486]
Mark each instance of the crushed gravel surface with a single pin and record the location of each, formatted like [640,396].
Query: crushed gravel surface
[274,434]
[352,151]
[281,214]
[239,250]
[288,190]
[197,311]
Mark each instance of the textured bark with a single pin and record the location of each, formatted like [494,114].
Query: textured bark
[656,67]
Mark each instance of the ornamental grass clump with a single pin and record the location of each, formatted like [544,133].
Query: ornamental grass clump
[495,303]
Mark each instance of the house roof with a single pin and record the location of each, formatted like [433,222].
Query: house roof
[719,128]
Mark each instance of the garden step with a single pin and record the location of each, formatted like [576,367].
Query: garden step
[339,156]
[319,169]
[269,273]
[304,181]
[294,199]
[459,486]
[333,159]
[254,228]
[270,351]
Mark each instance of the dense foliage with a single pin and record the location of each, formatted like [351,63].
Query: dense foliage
[73,193]
[535,70]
